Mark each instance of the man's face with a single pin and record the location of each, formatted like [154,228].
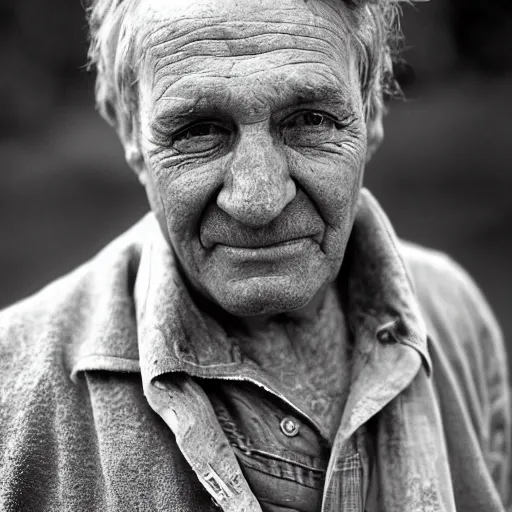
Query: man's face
[254,143]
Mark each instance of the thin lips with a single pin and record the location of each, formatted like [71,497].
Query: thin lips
[264,237]
[268,243]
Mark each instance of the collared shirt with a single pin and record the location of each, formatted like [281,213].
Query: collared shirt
[90,419]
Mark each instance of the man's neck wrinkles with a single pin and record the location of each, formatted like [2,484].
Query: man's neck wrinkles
[297,333]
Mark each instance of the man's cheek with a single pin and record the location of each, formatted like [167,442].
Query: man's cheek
[330,181]
[185,196]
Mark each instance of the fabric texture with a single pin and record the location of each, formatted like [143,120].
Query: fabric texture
[284,473]
[92,419]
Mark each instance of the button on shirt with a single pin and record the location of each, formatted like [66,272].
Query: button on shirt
[285,472]
[290,427]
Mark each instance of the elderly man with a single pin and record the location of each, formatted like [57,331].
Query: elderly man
[261,341]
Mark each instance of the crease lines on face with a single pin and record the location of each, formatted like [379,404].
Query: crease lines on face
[170,60]
[155,34]
[227,77]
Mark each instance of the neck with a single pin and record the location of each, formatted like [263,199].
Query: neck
[299,336]
[303,318]
[305,352]
[308,355]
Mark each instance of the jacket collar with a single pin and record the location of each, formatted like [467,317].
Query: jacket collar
[154,327]
[107,339]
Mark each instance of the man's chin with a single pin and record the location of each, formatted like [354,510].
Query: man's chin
[264,295]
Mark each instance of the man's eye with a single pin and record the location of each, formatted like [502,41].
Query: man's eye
[309,129]
[309,119]
[199,138]
[199,130]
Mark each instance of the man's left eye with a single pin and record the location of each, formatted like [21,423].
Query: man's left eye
[309,119]
[309,129]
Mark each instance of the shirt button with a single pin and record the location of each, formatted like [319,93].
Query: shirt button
[290,427]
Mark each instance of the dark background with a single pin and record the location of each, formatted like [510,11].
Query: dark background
[443,174]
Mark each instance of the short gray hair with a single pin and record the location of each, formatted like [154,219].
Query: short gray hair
[374,25]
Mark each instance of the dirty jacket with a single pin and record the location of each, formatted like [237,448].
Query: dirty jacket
[90,420]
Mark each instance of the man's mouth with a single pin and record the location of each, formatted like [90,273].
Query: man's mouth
[266,253]
[265,243]
[262,238]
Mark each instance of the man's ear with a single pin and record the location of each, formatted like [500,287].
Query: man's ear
[128,132]
[374,133]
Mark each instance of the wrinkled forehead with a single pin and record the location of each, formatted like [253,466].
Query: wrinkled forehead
[164,27]
[162,11]
[183,41]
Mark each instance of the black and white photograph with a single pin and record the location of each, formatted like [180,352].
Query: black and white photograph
[255,256]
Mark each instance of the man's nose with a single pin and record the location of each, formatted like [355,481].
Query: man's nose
[257,185]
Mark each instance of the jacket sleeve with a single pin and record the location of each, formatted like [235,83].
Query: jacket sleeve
[499,446]
[465,330]
[497,443]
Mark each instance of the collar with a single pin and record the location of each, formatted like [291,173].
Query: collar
[155,327]
[382,303]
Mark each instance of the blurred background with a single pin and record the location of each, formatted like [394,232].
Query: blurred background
[443,175]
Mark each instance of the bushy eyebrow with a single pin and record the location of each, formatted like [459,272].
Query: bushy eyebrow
[320,92]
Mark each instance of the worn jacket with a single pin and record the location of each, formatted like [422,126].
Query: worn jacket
[100,409]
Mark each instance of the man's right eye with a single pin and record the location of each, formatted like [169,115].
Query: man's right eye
[200,137]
